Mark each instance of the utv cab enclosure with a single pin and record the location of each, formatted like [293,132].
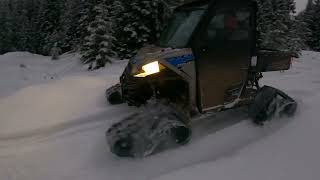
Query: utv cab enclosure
[206,60]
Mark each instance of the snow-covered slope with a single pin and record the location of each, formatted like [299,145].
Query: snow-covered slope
[53,117]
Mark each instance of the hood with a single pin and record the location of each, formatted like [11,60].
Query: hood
[153,53]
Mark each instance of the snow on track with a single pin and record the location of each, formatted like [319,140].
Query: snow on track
[54,129]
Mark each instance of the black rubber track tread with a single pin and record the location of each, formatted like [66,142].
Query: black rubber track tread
[258,109]
[156,118]
[114,95]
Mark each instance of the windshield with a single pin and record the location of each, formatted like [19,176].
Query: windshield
[180,28]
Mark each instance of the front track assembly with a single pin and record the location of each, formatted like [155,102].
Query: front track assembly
[142,133]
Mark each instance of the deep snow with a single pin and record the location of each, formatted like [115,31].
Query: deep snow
[53,117]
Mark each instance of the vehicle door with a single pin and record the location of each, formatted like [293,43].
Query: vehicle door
[222,47]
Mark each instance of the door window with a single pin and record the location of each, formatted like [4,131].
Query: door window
[180,28]
[229,25]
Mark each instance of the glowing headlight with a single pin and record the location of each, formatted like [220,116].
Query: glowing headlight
[151,68]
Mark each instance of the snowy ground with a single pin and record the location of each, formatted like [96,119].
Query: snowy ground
[53,117]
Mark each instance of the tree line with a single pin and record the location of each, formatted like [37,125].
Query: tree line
[99,29]
[102,29]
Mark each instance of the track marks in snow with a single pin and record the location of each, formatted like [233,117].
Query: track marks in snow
[46,132]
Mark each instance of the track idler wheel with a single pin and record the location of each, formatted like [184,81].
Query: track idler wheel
[270,102]
[181,135]
[123,147]
[114,95]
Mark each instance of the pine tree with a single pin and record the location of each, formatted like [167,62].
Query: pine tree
[303,30]
[120,16]
[12,26]
[50,26]
[86,17]
[4,30]
[98,44]
[277,26]
[294,43]
[23,24]
[32,39]
[70,22]
[29,25]
[141,23]
[311,17]
[309,5]
[316,26]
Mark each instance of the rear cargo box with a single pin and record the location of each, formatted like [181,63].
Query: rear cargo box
[273,61]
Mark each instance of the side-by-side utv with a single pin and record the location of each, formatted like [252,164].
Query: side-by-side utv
[206,60]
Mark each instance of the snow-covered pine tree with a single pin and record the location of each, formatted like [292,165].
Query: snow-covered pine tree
[118,13]
[98,44]
[12,25]
[30,25]
[25,19]
[276,26]
[4,28]
[303,30]
[141,23]
[70,23]
[311,16]
[86,17]
[50,23]
[310,5]
[33,40]
[316,26]
[305,18]
[20,26]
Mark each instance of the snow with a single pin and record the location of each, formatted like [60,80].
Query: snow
[53,117]
[22,69]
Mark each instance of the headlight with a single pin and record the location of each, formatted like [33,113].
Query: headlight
[151,68]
